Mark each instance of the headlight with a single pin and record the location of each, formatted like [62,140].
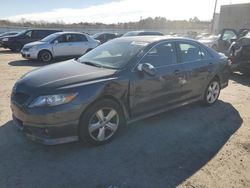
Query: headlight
[5,39]
[33,48]
[52,100]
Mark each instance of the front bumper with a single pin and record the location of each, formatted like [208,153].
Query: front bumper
[49,128]
[29,54]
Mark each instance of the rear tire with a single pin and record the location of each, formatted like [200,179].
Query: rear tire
[100,122]
[212,92]
[45,56]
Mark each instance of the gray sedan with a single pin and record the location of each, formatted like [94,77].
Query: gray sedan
[59,44]
[123,80]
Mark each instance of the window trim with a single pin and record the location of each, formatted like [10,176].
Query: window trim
[191,43]
[157,44]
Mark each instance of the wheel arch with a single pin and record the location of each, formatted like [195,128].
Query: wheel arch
[109,97]
[42,50]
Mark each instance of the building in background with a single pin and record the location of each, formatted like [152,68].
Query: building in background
[236,16]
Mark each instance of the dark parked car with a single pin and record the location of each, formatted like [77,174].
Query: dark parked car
[142,33]
[3,35]
[123,80]
[16,42]
[239,54]
[10,33]
[226,38]
[105,37]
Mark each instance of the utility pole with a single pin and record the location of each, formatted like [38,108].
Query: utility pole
[215,6]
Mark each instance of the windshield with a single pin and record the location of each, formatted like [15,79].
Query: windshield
[114,54]
[96,35]
[131,33]
[21,33]
[50,37]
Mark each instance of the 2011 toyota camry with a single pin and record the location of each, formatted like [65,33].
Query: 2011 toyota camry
[123,80]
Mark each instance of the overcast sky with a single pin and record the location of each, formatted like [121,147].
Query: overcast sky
[108,11]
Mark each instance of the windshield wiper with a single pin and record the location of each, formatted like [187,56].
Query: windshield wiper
[92,64]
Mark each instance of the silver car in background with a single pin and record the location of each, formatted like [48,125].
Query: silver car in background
[61,44]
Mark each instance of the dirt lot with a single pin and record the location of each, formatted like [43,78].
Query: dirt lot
[192,146]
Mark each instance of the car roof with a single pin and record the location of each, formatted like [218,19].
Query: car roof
[43,29]
[70,32]
[151,39]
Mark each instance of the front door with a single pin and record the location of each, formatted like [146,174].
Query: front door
[28,37]
[149,94]
[62,46]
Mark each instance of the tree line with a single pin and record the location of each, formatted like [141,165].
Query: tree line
[147,23]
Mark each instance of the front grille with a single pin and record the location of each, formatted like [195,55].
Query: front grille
[20,98]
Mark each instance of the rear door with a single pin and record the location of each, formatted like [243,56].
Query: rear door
[152,93]
[198,65]
[79,44]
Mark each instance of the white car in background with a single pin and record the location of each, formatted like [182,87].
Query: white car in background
[211,41]
[61,44]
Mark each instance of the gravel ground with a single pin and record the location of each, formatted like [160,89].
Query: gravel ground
[192,146]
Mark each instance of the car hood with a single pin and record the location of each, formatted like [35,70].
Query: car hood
[64,74]
[7,36]
[29,45]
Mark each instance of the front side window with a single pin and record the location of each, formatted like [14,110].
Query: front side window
[64,38]
[161,55]
[28,34]
[189,52]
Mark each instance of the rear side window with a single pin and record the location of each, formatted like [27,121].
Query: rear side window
[205,55]
[29,34]
[79,38]
[161,55]
[189,52]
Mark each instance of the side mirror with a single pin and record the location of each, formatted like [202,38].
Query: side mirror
[147,68]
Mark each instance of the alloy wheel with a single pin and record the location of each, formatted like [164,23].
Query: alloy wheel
[46,57]
[103,124]
[213,92]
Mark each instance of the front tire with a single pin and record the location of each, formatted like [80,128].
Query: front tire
[45,56]
[212,92]
[100,122]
